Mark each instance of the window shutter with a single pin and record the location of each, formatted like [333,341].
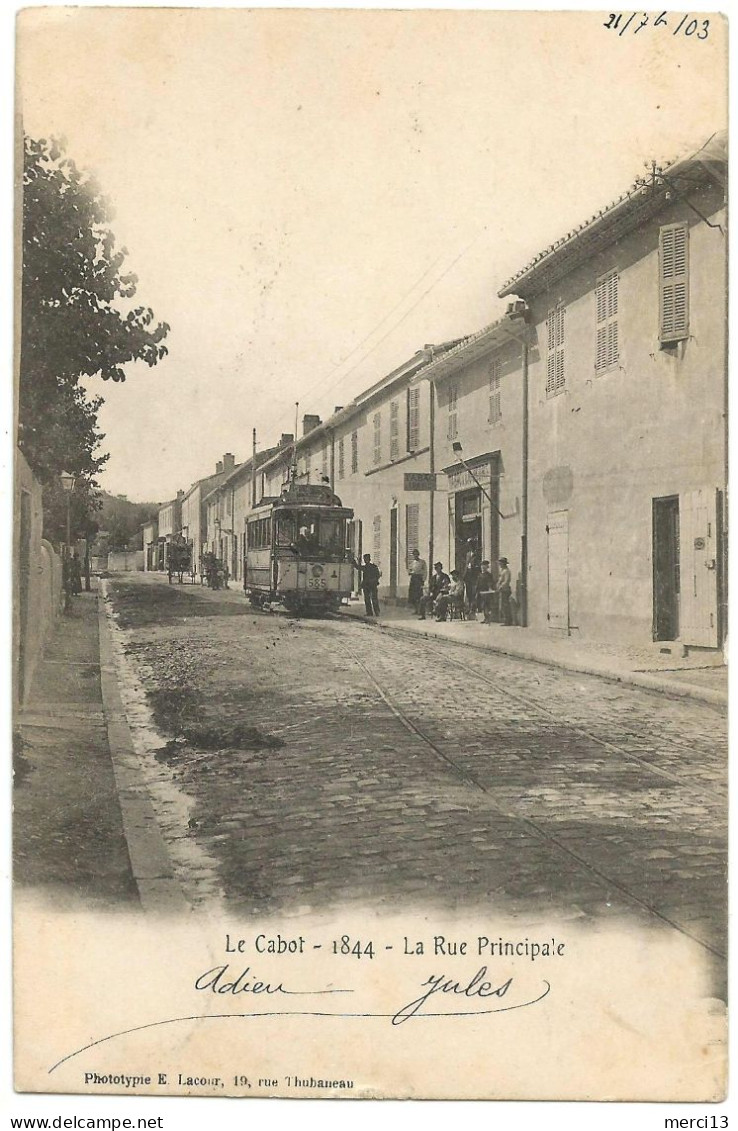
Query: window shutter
[354,452]
[412,530]
[674,282]
[606,345]
[394,430]
[495,406]
[341,459]
[377,437]
[413,419]
[555,374]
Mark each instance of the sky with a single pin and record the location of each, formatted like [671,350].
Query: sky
[309,197]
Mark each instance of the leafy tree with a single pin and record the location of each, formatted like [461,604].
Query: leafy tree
[76,319]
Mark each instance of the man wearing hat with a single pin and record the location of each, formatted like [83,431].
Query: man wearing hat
[504,589]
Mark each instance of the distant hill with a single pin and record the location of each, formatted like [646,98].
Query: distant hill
[122,520]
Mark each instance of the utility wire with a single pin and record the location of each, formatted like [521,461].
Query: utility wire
[392,328]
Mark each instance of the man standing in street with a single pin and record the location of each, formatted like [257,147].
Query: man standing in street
[485,587]
[418,571]
[504,587]
[370,575]
[471,576]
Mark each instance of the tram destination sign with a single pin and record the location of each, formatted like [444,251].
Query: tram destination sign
[420,481]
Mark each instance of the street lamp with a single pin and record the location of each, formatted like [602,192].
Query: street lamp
[457,451]
[67,482]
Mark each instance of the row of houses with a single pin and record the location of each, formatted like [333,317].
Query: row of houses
[583,435]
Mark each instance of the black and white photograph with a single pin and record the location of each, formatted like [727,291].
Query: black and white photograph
[370,554]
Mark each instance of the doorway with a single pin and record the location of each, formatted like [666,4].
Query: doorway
[393,552]
[666,576]
[468,532]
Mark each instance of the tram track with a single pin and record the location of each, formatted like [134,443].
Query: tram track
[529,824]
[546,712]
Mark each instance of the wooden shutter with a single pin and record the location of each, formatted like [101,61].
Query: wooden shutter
[413,419]
[557,530]
[495,409]
[354,451]
[394,430]
[607,352]
[377,540]
[377,437]
[555,375]
[698,612]
[674,282]
[412,530]
[452,413]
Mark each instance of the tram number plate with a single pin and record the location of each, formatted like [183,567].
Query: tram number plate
[317,583]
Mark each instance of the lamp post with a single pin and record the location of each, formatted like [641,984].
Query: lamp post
[67,482]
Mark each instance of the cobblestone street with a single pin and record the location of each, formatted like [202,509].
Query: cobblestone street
[330,761]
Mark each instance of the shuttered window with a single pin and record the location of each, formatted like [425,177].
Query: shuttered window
[495,408]
[555,374]
[453,417]
[354,452]
[674,282]
[324,459]
[412,531]
[606,348]
[413,419]
[377,437]
[394,430]
[377,539]
[341,459]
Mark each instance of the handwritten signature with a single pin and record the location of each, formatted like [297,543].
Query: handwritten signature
[220,980]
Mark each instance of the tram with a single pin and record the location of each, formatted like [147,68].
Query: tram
[296,550]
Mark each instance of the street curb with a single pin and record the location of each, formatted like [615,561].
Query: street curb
[634,679]
[152,868]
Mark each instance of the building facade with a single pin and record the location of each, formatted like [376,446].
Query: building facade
[193,523]
[627,415]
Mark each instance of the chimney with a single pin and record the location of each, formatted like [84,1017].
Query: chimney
[309,422]
[229,461]
[338,408]
[219,467]
[285,439]
[180,496]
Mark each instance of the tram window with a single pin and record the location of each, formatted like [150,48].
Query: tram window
[285,530]
[332,534]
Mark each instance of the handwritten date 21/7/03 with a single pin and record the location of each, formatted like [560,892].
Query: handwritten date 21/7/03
[633,22]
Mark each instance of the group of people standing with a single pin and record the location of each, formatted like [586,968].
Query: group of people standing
[471,590]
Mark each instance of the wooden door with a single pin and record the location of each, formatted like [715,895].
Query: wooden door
[698,553]
[557,531]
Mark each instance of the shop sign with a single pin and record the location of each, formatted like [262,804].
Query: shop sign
[462,480]
[420,481]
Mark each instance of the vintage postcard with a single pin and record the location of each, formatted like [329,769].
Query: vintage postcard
[370,554]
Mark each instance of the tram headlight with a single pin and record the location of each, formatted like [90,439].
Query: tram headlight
[317,571]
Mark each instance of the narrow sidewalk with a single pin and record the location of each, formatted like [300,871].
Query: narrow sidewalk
[700,676]
[84,832]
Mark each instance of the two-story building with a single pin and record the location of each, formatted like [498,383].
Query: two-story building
[376,454]
[627,414]
[169,525]
[193,517]
[478,400]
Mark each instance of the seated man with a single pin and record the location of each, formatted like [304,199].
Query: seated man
[438,582]
[454,596]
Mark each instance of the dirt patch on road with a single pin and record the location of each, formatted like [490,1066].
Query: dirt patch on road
[137,605]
